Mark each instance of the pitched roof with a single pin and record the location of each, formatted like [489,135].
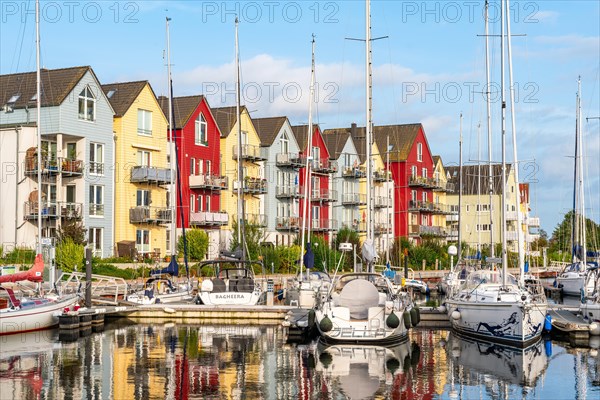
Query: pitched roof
[436,159]
[358,137]
[123,94]
[335,142]
[226,117]
[56,84]
[300,134]
[268,128]
[183,108]
[470,178]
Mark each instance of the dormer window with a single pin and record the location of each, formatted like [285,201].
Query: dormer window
[87,105]
[10,104]
[201,137]
[111,93]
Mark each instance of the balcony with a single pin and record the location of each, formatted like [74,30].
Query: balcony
[324,225]
[259,220]
[324,166]
[382,175]
[428,207]
[533,221]
[291,224]
[511,215]
[289,192]
[252,186]
[425,230]
[249,152]
[356,225]
[209,182]
[512,236]
[49,210]
[354,172]
[70,167]
[49,167]
[291,160]
[96,210]
[70,210]
[452,235]
[381,202]
[419,181]
[324,195]
[452,218]
[96,168]
[149,215]
[141,174]
[354,199]
[382,229]
[208,219]
[440,186]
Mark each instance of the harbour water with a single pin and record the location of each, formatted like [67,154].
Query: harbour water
[175,361]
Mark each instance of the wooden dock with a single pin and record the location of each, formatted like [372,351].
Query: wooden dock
[566,322]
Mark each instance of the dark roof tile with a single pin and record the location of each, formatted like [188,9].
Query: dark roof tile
[123,95]
[268,128]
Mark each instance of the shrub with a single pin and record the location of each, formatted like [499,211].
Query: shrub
[20,256]
[68,255]
[197,244]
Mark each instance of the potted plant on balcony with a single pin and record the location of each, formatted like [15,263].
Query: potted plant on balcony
[71,164]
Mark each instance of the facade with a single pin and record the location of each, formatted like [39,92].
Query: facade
[198,141]
[253,182]
[284,194]
[441,187]
[322,170]
[142,174]
[77,157]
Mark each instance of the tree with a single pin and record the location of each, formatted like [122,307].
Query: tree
[71,229]
[69,255]
[253,234]
[197,244]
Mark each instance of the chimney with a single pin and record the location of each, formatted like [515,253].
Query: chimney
[353,129]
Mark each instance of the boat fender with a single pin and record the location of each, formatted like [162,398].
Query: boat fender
[326,359]
[548,348]
[392,321]
[455,315]
[594,329]
[169,310]
[325,325]
[418,310]
[406,318]
[548,323]
[392,365]
[442,309]
[523,297]
[311,318]
[413,317]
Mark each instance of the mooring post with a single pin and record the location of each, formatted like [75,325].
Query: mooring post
[88,277]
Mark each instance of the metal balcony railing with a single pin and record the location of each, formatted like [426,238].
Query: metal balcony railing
[149,215]
[382,175]
[207,218]
[289,192]
[70,210]
[96,210]
[49,166]
[288,223]
[290,160]
[354,199]
[49,210]
[324,225]
[354,172]
[143,174]
[208,181]
[252,186]
[250,152]
[70,167]
[324,166]
[326,195]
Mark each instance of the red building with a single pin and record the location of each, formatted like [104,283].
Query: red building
[199,145]
[322,168]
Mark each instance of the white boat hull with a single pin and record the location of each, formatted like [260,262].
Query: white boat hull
[230,298]
[176,297]
[571,284]
[34,318]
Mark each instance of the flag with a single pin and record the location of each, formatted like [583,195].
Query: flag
[309,257]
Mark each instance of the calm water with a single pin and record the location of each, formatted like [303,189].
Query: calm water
[246,362]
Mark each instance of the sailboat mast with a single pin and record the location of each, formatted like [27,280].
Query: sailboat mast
[172,158]
[503,124]
[240,202]
[369,127]
[460,186]
[575,219]
[307,177]
[389,197]
[581,189]
[38,102]
[520,238]
[489,126]
[479,189]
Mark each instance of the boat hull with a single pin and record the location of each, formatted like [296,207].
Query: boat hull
[35,318]
[229,298]
[571,285]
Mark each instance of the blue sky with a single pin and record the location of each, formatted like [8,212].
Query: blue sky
[429,70]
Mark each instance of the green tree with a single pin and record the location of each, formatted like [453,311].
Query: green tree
[254,236]
[69,255]
[71,229]
[197,244]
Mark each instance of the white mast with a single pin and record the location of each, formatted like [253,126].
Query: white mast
[368,127]
[580,177]
[479,189]
[520,239]
[307,176]
[489,127]
[387,162]
[503,119]
[173,157]
[38,102]
[460,187]
[240,191]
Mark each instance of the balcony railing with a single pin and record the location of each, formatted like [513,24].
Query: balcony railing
[452,218]
[149,215]
[324,166]
[356,225]
[511,215]
[96,210]
[290,160]
[326,195]
[49,210]
[96,168]
[141,174]
[533,221]
[512,235]
[381,202]
[382,175]
[210,182]
[354,199]
[428,207]
[324,225]
[425,230]
[70,210]
[70,167]
[49,167]
[207,218]
[382,229]
[255,219]
[289,192]
[354,172]
[288,223]
[252,186]
[249,152]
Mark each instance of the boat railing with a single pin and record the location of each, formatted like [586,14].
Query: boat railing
[105,289]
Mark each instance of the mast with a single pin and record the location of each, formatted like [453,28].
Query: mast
[503,119]
[520,239]
[489,127]
[479,189]
[172,198]
[460,186]
[369,127]
[38,102]
[307,176]
[581,190]
[240,202]
[387,162]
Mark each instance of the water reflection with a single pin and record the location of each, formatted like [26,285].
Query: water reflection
[254,362]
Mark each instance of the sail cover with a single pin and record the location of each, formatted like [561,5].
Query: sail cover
[358,295]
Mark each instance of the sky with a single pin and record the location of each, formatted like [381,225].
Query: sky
[429,67]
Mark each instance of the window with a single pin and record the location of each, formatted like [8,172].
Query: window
[200,199]
[96,200]
[49,191]
[200,136]
[424,172]
[49,150]
[315,215]
[284,143]
[347,161]
[71,151]
[424,220]
[142,198]
[192,166]
[87,105]
[168,240]
[192,205]
[467,208]
[208,202]
[413,171]
[70,194]
[95,241]
[315,155]
[142,241]
[208,167]
[413,195]
[144,122]
[96,158]
[424,196]
[419,151]
[200,167]
[144,158]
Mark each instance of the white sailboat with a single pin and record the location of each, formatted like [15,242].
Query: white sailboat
[365,307]
[234,282]
[573,279]
[493,305]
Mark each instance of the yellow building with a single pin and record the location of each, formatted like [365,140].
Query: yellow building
[254,184]
[449,215]
[142,175]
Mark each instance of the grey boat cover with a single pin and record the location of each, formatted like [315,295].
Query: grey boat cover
[358,295]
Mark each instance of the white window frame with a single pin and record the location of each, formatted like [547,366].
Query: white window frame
[208,203]
[424,197]
[96,247]
[192,166]
[413,171]
[200,200]
[201,131]
[86,100]
[94,210]
[144,158]
[192,204]
[96,165]
[413,195]
[424,173]
[284,144]
[140,246]
[420,152]
[144,123]
[142,198]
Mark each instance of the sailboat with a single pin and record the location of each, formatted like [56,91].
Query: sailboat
[31,313]
[573,279]
[234,282]
[492,305]
[365,307]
